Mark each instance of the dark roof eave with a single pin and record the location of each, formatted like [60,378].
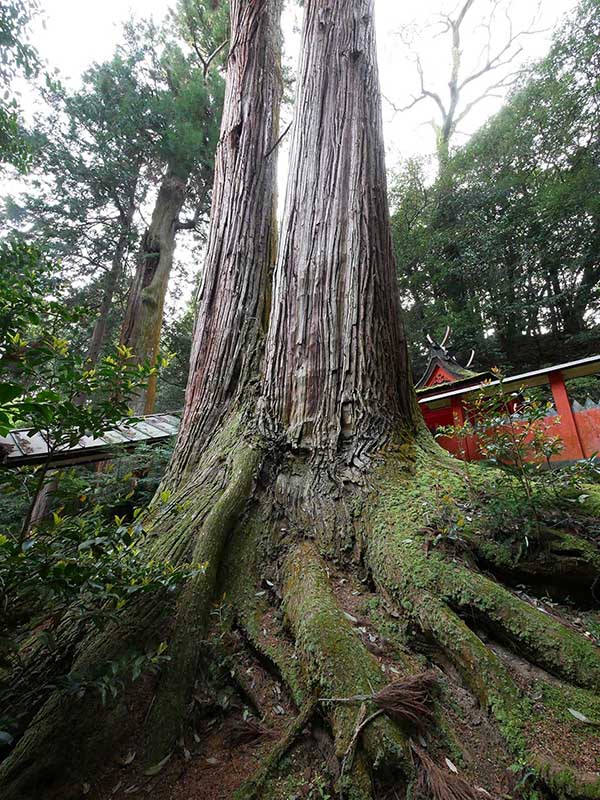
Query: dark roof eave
[475,377]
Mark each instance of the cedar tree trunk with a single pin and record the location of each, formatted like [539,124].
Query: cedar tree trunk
[143,319]
[325,517]
[337,377]
[112,279]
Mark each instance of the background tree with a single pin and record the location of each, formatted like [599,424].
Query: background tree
[19,59]
[524,224]
[470,82]
[531,178]
[192,111]
[146,116]
[88,182]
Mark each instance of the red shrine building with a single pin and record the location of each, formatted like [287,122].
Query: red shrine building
[446,390]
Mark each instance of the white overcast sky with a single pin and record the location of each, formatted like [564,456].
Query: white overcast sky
[79,32]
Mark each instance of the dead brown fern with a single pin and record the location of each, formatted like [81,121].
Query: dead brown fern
[407,700]
[246,731]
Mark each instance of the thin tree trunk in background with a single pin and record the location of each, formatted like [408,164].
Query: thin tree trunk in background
[143,319]
[231,312]
[111,283]
[571,322]
[337,377]
[41,505]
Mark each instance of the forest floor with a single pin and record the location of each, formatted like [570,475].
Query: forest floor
[232,735]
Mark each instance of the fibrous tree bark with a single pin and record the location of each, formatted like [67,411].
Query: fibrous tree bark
[301,455]
[336,363]
[233,297]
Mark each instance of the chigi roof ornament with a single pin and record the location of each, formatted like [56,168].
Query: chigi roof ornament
[443,367]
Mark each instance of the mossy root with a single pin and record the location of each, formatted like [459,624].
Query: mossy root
[176,683]
[404,567]
[540,637]
[432,589]
[244,571]
[337,663]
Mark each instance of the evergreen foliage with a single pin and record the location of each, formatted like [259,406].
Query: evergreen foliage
[504,246]
[19,59]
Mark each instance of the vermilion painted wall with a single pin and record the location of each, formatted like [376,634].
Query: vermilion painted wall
[587,424]
[588,427]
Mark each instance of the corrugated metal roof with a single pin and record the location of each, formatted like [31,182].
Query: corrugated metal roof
[20,448]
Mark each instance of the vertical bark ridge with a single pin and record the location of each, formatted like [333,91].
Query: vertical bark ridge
[228,330]
[336,366]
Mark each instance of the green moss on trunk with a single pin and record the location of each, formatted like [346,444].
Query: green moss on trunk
[177,681]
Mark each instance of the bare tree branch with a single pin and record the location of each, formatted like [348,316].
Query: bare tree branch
[490,91]
[407,107]
[213,55]
[205,60]
[495,60]
[279,140]
[425,92]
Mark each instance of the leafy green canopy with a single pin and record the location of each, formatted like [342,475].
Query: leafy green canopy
[45,384]
[18,58]
[517,249]
[89,152]
[101,149]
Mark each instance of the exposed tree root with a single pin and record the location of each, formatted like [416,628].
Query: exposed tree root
[246,592]
[404,568]
[564,564]
[252,789]
[540,637]
[177,680]
[336,661]
[431,587]
[177,515]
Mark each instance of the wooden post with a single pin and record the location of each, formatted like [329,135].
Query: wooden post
[458,419]
[573,448]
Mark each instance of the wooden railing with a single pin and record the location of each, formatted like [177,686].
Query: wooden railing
[577,426]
